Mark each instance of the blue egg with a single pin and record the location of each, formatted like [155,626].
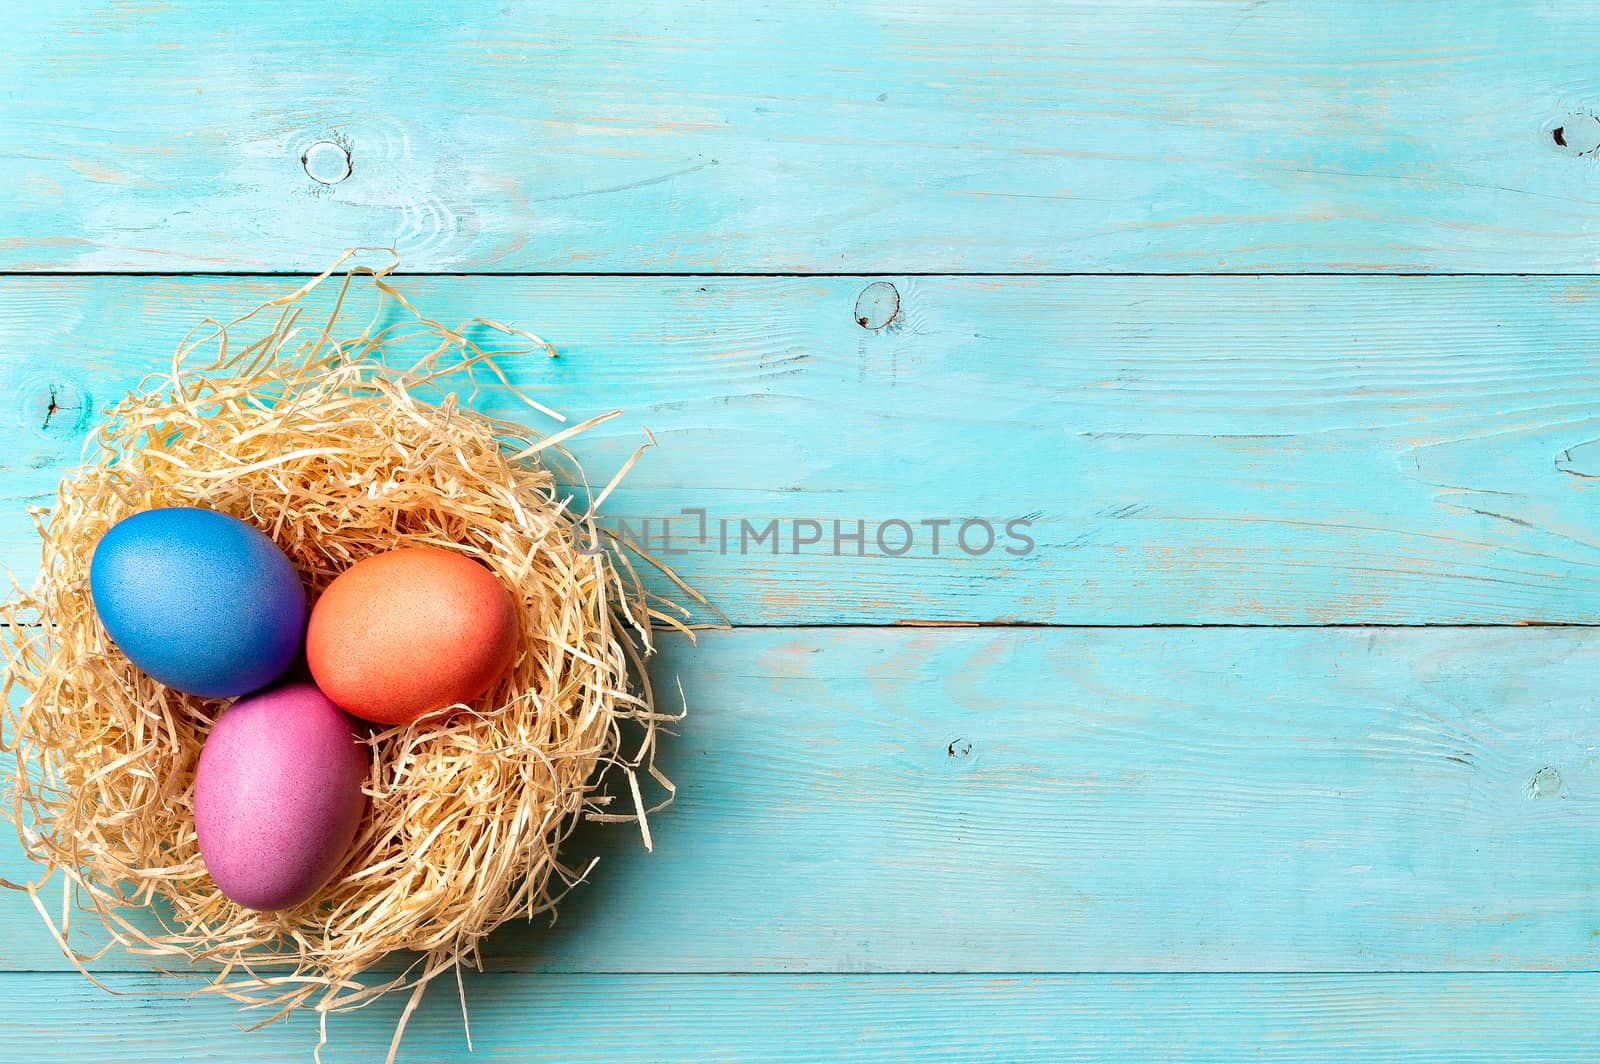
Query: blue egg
[201,601]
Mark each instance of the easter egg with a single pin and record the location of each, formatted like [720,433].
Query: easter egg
[403,633]
[277,796]
[201,601]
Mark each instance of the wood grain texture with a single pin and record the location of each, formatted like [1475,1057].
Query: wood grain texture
[1029,136]
[1191,450]
[1472,1019]
[1095,800]
[1085,843]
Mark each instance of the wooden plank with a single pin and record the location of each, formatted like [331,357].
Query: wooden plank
[890,1019]
[1096,800]
[1223,450]
[1029,136]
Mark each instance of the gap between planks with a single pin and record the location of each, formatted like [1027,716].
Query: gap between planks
[934,623]
[930,973]
[804,275]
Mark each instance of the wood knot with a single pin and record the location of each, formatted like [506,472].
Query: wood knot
[1547,783]
[327,162]
[1577,134]
[877,305]
[58,407]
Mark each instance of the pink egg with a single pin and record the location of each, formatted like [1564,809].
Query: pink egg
[277,796]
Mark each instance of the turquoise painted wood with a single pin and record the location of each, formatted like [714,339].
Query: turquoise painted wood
[1282,777]
[1191,450]
[1096,800]
[786,135]
[904,1019]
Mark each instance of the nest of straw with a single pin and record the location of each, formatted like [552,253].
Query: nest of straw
[316,439]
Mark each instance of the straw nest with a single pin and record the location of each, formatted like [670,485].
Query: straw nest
[315,439]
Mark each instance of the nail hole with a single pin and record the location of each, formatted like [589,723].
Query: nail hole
[877,306]
[326,162]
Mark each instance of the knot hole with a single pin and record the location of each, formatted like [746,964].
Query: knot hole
[1577,135]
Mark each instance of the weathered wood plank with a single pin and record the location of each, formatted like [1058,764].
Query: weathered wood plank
[1179,799]
[890,1019]
[1192,450]
[1029,136]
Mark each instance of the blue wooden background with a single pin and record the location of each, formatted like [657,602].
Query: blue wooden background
[1279,320]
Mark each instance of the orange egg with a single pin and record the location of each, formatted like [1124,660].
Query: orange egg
[410,631]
